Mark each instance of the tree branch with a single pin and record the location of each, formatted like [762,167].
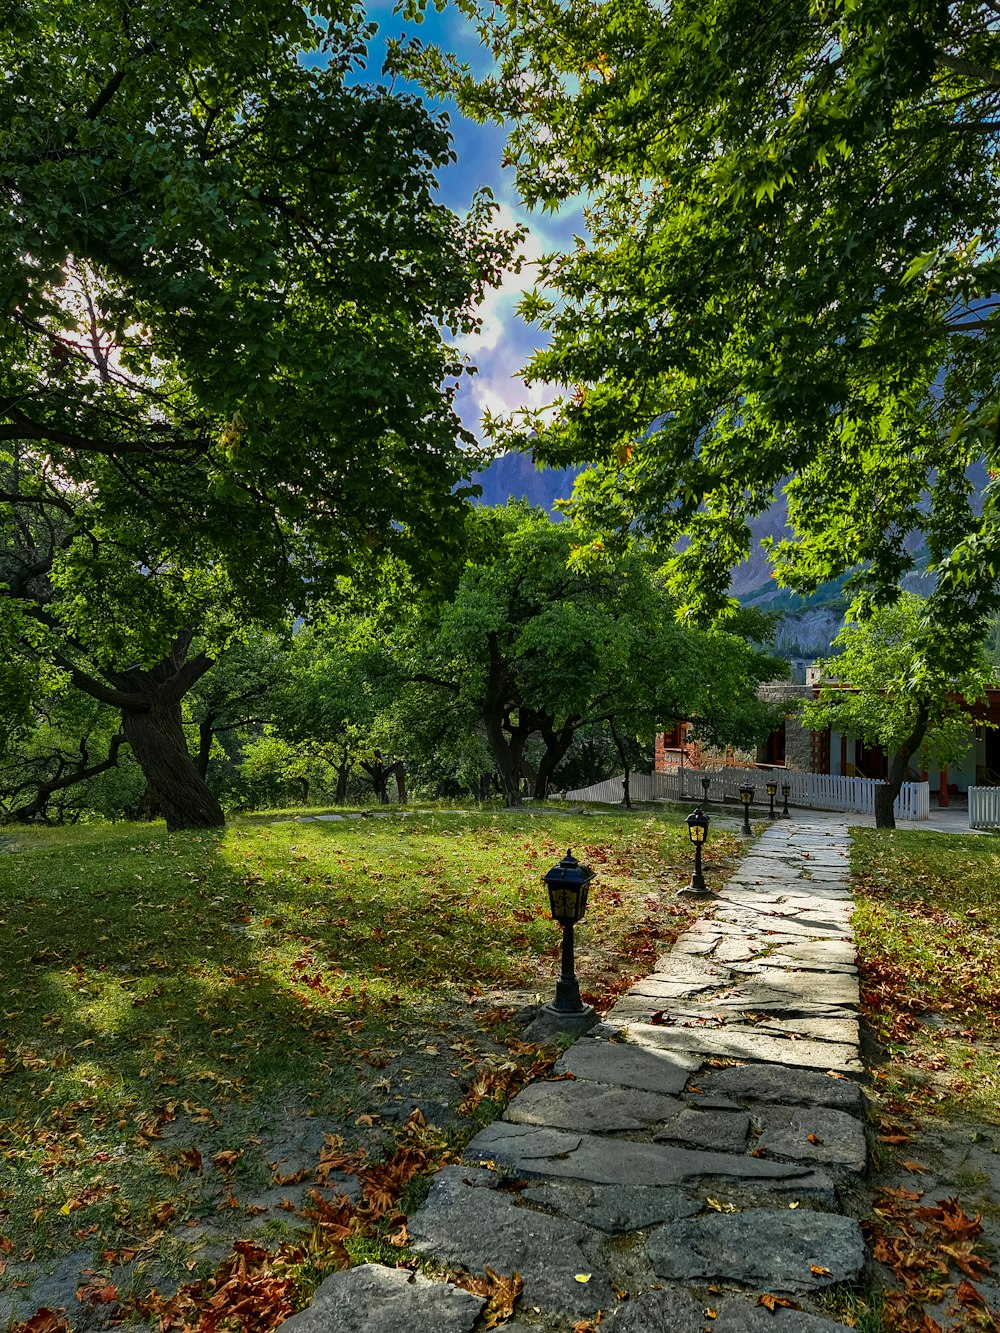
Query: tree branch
[969,68]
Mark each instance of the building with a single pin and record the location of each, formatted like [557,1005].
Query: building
[797,747]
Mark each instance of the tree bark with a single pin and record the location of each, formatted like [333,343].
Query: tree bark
[399,773]
[626,794]
[494,715]
[556,745]
[206,732]
[500,749]
[156,735]
[343,773]
[885,795]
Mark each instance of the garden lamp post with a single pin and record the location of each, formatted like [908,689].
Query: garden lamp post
[705,784]
[746,796]
[772,790]
[697,826]
[568,884]
[786,791]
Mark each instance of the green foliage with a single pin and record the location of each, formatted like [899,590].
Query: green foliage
[224,283]
[226,293]
[535,641]
[64,738]
[883,687]
[787,286]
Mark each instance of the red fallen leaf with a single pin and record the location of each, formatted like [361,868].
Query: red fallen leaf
[191,1158]
[558,1078]
[224,1160]
[894,1138]
[914,1166]
[165,1213]
[43,1321]
[659,1017]
[910,1196]
[813,1138]
[97,1293]
[758,1152]
[966,1294]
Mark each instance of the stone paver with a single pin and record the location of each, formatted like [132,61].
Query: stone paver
[694,1139]
[375,1299]
[785,1251]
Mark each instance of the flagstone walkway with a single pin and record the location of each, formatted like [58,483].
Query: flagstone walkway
[691,1153]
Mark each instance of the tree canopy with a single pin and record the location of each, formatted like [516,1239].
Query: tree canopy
[878,688]
[531,645]
[225,277]
[788,282]
[226,293]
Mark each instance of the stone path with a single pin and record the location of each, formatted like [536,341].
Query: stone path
[690,1153]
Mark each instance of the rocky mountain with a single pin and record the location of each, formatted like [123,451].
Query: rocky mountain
[517,476]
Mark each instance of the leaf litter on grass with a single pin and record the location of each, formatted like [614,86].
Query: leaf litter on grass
[195,996]
[929,955]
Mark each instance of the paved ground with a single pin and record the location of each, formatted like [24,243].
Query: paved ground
[692,1154]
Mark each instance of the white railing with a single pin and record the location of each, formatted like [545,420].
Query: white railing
[816,791]
[984,807]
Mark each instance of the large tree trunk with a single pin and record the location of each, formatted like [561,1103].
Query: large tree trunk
[885,795]
[343,773]
[556,745]
[494,715]
[150,702]
[626,793]
[156,735]
[500,749]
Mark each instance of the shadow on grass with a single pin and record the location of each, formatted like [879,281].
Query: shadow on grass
[182,1011]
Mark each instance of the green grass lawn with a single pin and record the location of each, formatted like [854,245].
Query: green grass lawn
[179,1012]
[928,928]
[928,924]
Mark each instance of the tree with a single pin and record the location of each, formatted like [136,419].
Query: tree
[879,690]
[788,284]
[226,291]
[533,645]
[51,763]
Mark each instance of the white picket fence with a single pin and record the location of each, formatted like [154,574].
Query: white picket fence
[984,807]
[815,791]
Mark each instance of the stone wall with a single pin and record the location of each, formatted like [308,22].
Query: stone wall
[798,739]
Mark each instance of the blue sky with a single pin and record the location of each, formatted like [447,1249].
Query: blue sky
[505,342]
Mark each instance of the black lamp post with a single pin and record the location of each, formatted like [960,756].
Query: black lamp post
[705,784]
[697,825]
[772,790]
[786,791]
[746,796]
[568,884]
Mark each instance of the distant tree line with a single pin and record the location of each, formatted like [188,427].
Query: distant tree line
[531,673]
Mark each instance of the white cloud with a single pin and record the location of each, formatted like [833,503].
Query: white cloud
[506,342]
